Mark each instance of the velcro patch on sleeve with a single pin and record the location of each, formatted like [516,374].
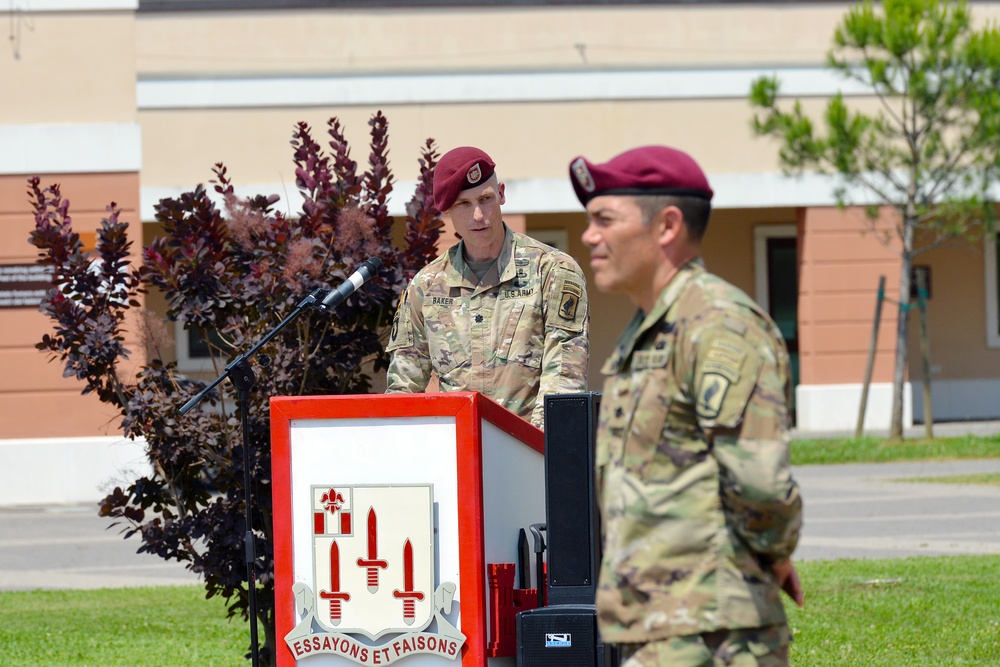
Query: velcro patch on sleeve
[724,380]
[569,301]
[402,327]
[711,393]
[570,295]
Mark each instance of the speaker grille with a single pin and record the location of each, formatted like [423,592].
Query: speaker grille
[554,637]
[572,520]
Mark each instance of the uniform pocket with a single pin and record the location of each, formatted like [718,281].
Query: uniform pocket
[645,428]
[447,342]
[521,335]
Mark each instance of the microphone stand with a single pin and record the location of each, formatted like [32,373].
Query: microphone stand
[241,374]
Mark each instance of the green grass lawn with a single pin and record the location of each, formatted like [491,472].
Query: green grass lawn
[880,450]
[979,479]
[915,612]
[160,627]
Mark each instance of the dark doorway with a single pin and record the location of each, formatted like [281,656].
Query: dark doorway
[783,296]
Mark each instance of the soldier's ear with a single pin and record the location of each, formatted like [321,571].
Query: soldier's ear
[670,223]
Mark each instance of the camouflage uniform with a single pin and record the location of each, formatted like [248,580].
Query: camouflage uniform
[695,486]
[519,334]
[754,647]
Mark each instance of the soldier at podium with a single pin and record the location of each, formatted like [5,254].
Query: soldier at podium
[499,313]
[700,512]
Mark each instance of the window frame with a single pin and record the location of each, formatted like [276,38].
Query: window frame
[991,264]
[557,238]
[185,362]
[761,234]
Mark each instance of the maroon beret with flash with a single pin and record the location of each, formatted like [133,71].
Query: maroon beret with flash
[648,170]
[459,169]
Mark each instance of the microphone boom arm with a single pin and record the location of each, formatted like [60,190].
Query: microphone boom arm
[310,301]
[319,298]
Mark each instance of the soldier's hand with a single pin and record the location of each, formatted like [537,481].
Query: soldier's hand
[788,579]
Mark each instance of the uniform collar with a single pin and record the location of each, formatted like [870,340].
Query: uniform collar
[462,276]
[643,322]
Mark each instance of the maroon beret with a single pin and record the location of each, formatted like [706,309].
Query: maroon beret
[459,169]
[648,170]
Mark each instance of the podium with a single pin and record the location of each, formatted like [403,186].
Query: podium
[388,511]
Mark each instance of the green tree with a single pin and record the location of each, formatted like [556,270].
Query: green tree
[236,272]
[929,153]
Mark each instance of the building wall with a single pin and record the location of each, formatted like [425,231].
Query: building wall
[132,106]
[964,362]
[68,116]
[842,258]
[68,66]
[485,38]
[38,400]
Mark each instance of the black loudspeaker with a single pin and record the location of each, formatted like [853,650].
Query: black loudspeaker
[572,519]
[564,636]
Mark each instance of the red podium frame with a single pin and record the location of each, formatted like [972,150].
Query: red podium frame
[477,422]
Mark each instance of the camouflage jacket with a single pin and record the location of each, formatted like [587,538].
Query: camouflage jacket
[695,486]
[519,334]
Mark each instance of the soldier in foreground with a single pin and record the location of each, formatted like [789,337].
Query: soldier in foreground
[700,512]
[498,313]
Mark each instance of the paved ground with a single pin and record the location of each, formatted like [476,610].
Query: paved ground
[71,547]
[942,430]
[852,511]
[863,511]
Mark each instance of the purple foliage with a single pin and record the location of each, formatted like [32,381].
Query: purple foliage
[236,271]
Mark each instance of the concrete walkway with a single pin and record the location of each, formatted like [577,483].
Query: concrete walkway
[851,511]
[866,511]
[940,430]
[63,547]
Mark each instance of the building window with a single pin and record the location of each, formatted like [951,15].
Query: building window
[557,238]
[992,261]
[194,349]
[776,267]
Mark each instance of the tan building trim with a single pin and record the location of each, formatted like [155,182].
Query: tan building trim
[76,6]
[46,471]
[197,92]
[555,195]
[70,148]
[834,407]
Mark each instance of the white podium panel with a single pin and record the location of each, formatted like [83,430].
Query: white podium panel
[387,510]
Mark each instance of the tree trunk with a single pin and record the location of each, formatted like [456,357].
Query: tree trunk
[925,353]
[902,328]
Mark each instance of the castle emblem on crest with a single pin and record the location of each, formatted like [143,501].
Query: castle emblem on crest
[373,598]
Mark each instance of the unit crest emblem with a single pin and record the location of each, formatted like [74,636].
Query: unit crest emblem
[373,598]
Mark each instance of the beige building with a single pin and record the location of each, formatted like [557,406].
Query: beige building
[132,100]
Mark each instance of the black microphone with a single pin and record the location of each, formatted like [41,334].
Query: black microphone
[364,273]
